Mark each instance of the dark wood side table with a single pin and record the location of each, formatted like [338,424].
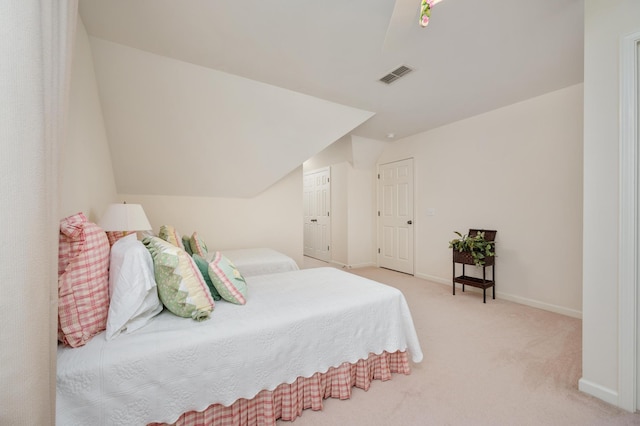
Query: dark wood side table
[465,258]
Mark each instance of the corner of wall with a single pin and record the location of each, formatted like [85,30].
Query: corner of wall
[87,181]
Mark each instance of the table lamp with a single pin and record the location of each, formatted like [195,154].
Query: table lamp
[122,219]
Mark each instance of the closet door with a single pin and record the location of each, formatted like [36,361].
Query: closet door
[317,212]
[395,216]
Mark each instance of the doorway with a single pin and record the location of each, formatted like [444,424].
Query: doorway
[317,214]
[629,236]
[395,216]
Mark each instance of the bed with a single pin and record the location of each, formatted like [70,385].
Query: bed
[260,261]
[302,336]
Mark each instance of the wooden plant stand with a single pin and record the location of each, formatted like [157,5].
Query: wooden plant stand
[465,258]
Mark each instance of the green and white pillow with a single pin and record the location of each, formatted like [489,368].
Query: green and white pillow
[203,265]
[171,235]
[197,245]
[181,286]
[186,242]
[227,279]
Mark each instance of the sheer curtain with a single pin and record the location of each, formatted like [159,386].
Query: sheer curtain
[36,39]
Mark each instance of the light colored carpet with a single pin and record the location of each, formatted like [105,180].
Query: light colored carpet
[498,363]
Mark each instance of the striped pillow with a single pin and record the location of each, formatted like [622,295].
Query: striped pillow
[227,279]
[203,265]
[198,246]
[171,235]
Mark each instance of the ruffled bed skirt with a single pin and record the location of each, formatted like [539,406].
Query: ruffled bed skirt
[287,401]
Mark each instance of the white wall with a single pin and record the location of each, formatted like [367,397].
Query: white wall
[352,198]
[518,170]
[87,183]
[271,219]
[606,21]
[340,213]
[361,217]
[335,153]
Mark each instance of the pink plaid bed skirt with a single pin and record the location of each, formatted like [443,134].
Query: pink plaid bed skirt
[287,401]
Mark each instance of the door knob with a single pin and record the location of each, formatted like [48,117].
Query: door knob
[314,220]
[409,222]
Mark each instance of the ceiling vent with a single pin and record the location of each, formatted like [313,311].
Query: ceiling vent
[401,71]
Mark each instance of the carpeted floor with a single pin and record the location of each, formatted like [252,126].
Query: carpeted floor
[498,363]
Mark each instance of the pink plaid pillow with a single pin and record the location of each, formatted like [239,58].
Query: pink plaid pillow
[114,236]
[83,284]
[70,243]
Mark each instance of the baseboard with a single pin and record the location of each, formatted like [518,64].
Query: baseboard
[433,279]
[541,305]
[354,266]
[600,392]
[512,298]
[361,265]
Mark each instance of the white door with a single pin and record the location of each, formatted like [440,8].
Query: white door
[395,211]
[637,283]
[317,212]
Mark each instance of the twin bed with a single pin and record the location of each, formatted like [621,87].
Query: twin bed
[260,261]
[302,336]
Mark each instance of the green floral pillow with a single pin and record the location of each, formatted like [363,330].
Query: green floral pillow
[181,286]
[227,279]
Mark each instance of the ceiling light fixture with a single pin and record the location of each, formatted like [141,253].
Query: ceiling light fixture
[425,11]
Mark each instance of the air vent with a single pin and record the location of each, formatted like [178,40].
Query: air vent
[401,71]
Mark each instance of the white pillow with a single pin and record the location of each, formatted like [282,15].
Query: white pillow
[132,287]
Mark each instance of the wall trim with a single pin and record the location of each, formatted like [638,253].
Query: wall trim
[354,266]
[628,230]
[511,297]
[361,265]
[600,392]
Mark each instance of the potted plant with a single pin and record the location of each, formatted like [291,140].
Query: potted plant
[472,249]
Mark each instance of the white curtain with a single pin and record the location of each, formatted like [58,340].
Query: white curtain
[36,38]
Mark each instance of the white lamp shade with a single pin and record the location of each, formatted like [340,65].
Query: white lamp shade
[124,217]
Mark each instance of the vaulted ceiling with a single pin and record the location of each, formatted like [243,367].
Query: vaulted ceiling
[474,56]
[301,74]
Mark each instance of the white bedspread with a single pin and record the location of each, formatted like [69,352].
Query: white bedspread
[259,261]
[294,324]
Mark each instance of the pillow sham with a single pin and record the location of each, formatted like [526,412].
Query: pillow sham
[70,242]
[170,234]
[83,285]
[203,265]
[181,286]
[114,236]
[227,279]
[187,244]
[132,287]
[197,245]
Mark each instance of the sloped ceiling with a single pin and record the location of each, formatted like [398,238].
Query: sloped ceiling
[176,128]
[475,56]
[167,63]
